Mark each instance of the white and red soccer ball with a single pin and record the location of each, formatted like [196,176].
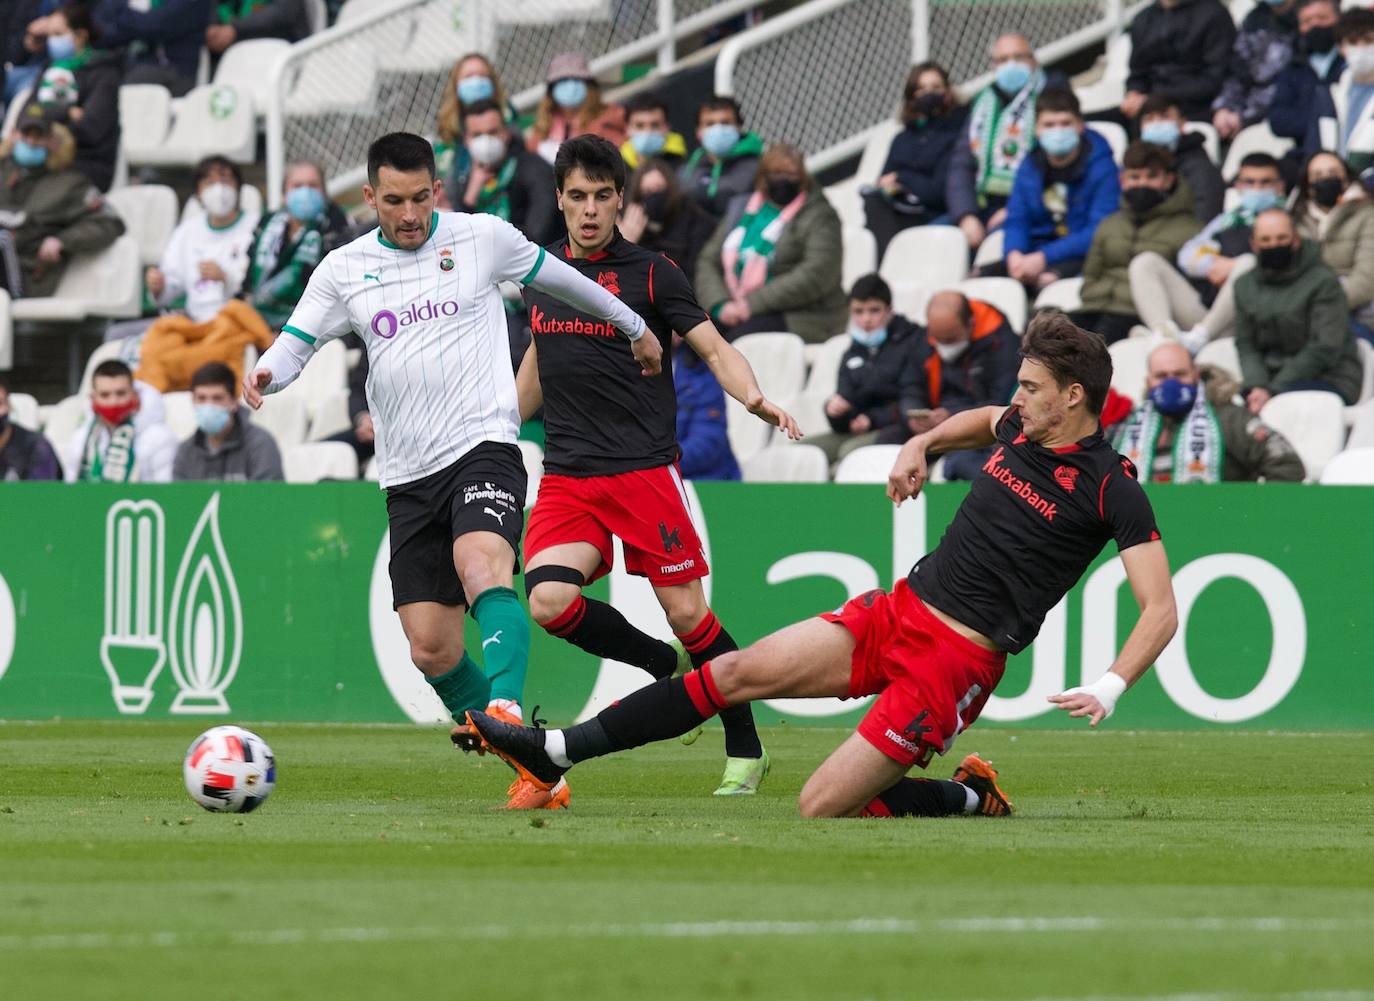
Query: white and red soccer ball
[229,770]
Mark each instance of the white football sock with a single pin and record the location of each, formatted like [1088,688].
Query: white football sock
[556,748]
[509,705]
[971,800]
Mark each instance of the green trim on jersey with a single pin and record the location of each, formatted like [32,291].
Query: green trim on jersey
[433,225]
[288,329]
[228,225]
[538,263]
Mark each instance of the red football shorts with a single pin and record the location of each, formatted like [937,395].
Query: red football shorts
[931,682]
[646,509]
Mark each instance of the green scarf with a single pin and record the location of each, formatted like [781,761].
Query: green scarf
[278,270]
[749,145]
[1000,135]
[229,11]
[117,464]
[1199,449]
[494,198]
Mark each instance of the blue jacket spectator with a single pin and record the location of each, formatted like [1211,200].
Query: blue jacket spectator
[1302,91]
[701,429]
[164,42]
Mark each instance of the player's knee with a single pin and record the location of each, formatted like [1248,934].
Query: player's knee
[817,801]
[730,672]
[434,655]
[548,601]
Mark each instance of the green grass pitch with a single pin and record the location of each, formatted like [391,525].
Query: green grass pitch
[1215,866]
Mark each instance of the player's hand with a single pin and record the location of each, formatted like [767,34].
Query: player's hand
[775,415]
[253,385]
[648,352]
[909,472]
[1077,702]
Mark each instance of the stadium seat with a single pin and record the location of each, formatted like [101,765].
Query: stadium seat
[909,298]
[284,415]
[319,460]
[1367,361]
[870,464]
[1256,138]
[6,333]
[1064,294]
[1130,366]
[1361,421]
[533,457]
[149,212]
[1221,353]
[179,413]
[318,15]
[933,256]
[61,421]
[1313,423]
[24,411]
[860,255]
[250,201]
[1211,142]
[373,474]
[990,250]
[787,464]
[1108,90]
[844,196]
[1007,294]
[809,406]
[1115,136]
[107,284]
[779,362]
[1353,467]
[250,66]
[145,118]
[213,119]
[322,389]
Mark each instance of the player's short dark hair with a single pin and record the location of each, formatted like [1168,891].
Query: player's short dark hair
[1056,100]
[596,157]
[216,162]
[1355,24]
[1071,354]
[871,286]
[1159,104]
[403,151]
[112,368]
[645,102]
[719,102]
[1147,156]
[215,373]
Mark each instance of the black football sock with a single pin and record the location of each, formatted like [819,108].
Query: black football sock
[667,708]
[599,629]
[919,798]
[704,643]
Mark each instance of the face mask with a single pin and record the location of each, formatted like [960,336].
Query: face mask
[719,139]
[1276,258]
[656,206]
[1360,59]
[211,418]
[781,192]
[951,352]
[305,203]
[648,143]
[867,338]
[1058,142]
[1010,77]
[569,94]
[472,89]
[1255,200]
[931,105]
[219,199]
[1319,41]
[28,154]
[1173,397]
[1327,192]
[1161,133]
[61,46]
[1141,200]
[115,413]
[487,150]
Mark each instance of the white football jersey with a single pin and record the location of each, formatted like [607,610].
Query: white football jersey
[439,379]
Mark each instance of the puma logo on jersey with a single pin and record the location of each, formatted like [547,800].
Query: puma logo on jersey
[499,517]
[376,278]
[494,638]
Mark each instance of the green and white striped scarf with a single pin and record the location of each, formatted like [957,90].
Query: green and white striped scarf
[1199,451]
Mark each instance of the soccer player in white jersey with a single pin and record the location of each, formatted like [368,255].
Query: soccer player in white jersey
[421,290]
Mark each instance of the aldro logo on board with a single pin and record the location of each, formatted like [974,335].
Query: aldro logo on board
[202,634]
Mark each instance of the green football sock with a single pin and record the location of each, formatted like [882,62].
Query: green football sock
[505,641]
[463,688]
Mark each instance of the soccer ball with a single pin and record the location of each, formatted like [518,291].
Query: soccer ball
[229,770]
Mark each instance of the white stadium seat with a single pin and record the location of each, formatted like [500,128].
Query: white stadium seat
[150,213]
[1367,363]
[1361,421]
[933,256]
[787,464]
[1130,366]
[808,407]
[844,195]
[779,362]
[318,15]
[533,457]
[869,464]
[212,119]
[1258,138]
[1007,294]
[24,411]
[1211,142]
[6,333]
[285,417]
[179,413]
[1221,353]
[1115,136]
[990,250]
[62,419]
[1065,294]
[322,384]
[909,297]
[145,118]
[1108,90]
[249,66]
[1313,423]
[319,460]
[1353,467]
[860,255]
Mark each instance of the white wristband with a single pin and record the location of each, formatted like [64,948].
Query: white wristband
[1106,689]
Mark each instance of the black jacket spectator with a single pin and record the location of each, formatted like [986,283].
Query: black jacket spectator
[285,19]
[680,234]
[1302,98]
[919,156]
[984,375]
[532,205]
[1204,179]
[163,42]
[871,379]
[1182,50]
[96,127]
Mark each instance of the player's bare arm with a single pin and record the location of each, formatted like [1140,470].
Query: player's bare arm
[975,428]
[1147,570]
[736,376]
[527,387]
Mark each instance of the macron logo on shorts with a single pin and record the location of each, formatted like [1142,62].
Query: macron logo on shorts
[996,468]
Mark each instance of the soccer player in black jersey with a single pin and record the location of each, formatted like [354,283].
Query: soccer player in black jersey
[610,461]
[1049,497]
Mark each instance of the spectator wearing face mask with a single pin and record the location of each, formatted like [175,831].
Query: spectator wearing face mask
[1302,92]
[726,162]
[1063,190]
[1292,325]
[1161,123]
[162,41]
[773,263]
[1334,211]
[1181,48]
[226,445]
[1156,215]
[1195,302]
[505,179]
[124,440]
[1186,433]
[288,246]
[911,190]
[650,138]
[24,454]
[571,107]
[658,216]
[1348,128]
[473,79]
[1262,49]
[1001,130]
[23,34]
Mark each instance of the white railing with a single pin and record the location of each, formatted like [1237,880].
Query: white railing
[385,67]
